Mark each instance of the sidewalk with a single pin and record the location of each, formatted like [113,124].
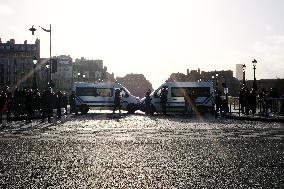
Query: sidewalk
[257,117]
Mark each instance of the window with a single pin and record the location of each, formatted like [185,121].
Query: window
[198,91]
[158,92]
[104,92]
[85,91]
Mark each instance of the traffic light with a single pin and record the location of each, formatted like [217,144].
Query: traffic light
[54,65]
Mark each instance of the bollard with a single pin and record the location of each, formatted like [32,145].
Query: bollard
[62,114]
[68,111]
[54,111]
[4,119]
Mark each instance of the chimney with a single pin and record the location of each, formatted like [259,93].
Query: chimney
[25,42]
[0,40]
[198,71]
[12,41]
[187,71]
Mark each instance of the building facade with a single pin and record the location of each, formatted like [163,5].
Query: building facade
[16,64]
[221,79]
[89,70]
[239,71]
[63,78]
[137,84]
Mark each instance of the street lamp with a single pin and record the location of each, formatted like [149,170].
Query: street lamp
[32,29]
[216,80]
[254,86]
[35,62]
[244,74]
[79,76]
[84,77]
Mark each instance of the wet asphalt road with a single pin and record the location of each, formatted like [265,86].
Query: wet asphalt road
[135,151]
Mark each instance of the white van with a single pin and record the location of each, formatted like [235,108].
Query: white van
[100,96]
[204,93]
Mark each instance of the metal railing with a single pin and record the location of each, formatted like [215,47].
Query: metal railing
[265,107]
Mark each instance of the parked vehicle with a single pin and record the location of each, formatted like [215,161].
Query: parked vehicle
[100,96]
[203,97]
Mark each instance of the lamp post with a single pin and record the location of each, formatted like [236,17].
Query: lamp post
[244,74]
[79,76]
[216,79]
[84,76]
[47,73]
[32,29]
[35,62]
[254,86]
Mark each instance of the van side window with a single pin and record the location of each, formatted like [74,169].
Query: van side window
[158,92]
[198,91]
[104,92]
[84,91]
[123,93]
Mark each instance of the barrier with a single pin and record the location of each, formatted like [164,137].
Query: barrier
[62,114]
[4,119]
[68,112]
[54,115]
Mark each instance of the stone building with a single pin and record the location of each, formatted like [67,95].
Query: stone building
[224,77]
[63,77]
[89,70]
[137,84]
[16,64]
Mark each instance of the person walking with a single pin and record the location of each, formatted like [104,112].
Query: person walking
[148,102]
[163,100]
[59,103]
[117,99]
[29,105]
[218,103]
[72,101]
[46,105]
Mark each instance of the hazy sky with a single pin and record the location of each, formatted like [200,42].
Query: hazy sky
[155,37]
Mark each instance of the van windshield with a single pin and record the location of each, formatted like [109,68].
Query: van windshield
[85,91]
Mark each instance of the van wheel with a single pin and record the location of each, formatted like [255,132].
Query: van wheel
[131,108]
[84,109]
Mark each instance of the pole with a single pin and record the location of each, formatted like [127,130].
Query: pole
[244,77]
[50,65]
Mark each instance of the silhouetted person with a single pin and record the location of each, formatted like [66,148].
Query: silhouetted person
[72,101]
[242,100]
[164,99]
[218,103]
[252,101]
[117,99]
[46,104]
[65,102]
[7,96]
[37,100]
[148,102]
[29,104]
[247,101]
[59,103]
[262,98]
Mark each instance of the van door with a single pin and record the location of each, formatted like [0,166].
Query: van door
[156,99]
[124,98]
[176,102]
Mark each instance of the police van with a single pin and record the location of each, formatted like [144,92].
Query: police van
[176,91]
[100,96]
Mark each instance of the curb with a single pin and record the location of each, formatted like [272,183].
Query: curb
[263,119]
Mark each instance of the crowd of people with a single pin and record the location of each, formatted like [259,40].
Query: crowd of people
[250,100]
[29,102]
